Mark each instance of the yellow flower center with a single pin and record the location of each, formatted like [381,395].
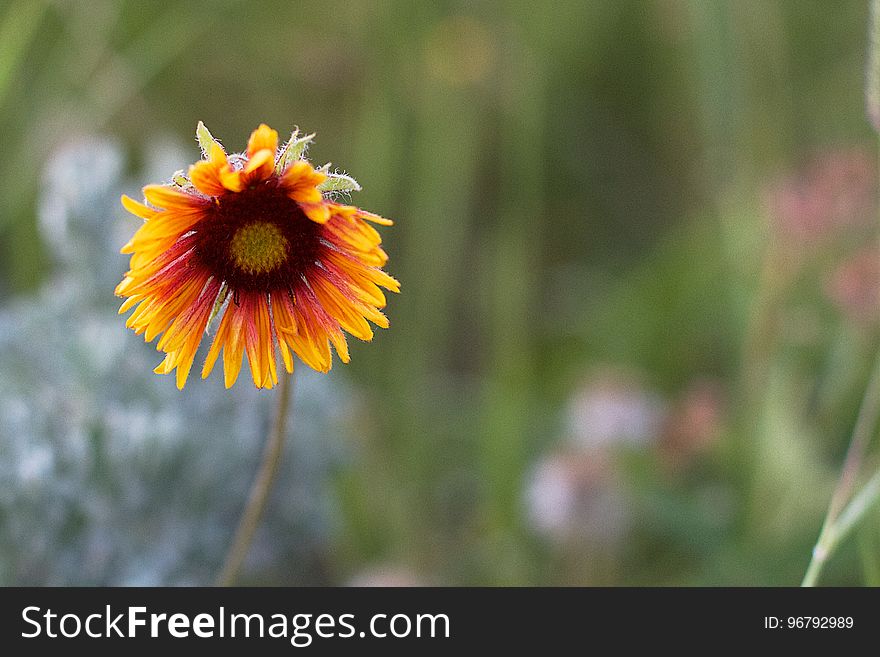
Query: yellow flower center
[258,247]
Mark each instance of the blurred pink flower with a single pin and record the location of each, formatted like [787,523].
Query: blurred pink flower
[613,408]
[854,287]
[576,496]
[837,190]
[694,424]
[391,575]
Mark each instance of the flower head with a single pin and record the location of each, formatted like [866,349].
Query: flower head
[257,240]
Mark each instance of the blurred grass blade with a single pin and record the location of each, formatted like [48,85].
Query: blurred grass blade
[869,554]
[872,81]
[19,24]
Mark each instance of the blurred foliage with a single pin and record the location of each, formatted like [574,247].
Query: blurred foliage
[577,186]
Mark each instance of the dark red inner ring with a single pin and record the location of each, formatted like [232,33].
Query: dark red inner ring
[267,203]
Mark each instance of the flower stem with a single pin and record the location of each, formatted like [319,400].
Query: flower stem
[835,532]
[839,520]
[259,494]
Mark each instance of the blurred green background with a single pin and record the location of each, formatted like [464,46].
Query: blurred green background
[637,316]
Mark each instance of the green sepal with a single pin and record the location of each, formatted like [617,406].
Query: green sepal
[180,179]
[206,140]
[339,182]
[293,150]
[218,304]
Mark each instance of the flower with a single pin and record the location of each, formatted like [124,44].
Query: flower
[256,239]
[854,286]
[577,496]
[387,575]
[695,423]
[612,408]
[837,191]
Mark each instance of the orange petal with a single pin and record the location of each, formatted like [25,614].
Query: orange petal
[218,343]
[301,182]
[206,178]
[233,350]
[283,322]
[375,218]
[259,167]
[137,209]
[232,180]
[171,199]
[263,137]
[217,154]
[317,212]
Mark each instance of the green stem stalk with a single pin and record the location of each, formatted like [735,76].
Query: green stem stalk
[839,520]
[835,532]
[259,494]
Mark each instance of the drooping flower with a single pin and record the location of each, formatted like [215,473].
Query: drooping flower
[257,240]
